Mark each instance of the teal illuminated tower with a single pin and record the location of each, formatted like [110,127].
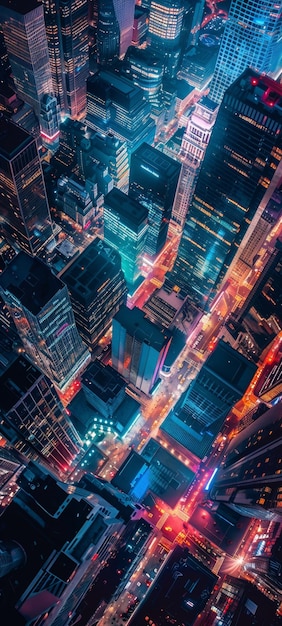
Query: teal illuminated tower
[125,229]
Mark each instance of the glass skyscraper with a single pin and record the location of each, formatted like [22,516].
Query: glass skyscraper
[252,37]
[67,36]
[116,105]
[25,215]
[97,289]
[240,161]
[25,39]
[124,10]
[153,181]
[108,33]
[139,348]
[33,420]
[250,479]
[40,306]
[125,228]
[199,414]
[164,32]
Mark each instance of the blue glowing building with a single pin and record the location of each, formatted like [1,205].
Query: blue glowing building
[241,159]
[252,37]
[125,229]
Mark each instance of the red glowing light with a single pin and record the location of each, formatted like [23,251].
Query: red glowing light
[50,137]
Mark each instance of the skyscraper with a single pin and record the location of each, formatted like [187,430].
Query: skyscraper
[261,314]
[250,479]
[146,71]
[115,104]
[193,147]
[40,307]
[67,35]
[199,414]
[240,603]
[25,214]
[140,25]
[74,200]
[252,37]
[241,159]
[60,535]
[126,228]
[139,348]
[25,39]
[153,182]
[50,118]
[266,220]
[164,32]
[107,33]
[33,420]
[97,289]
[124,10]
[113,153]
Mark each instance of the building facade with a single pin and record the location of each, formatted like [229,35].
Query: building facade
[97,288]
[116,105]
[153,182]
[74,200]
[33,420]
[193,148]
[164,32]
[139,348]
[40,307]
[103,404]
[240,603]
[75,530]
[250,479]
[26,219]
[199,414]
[126,229]
[107,33]
[252,37]
[67,36]
[146,71]
[124,10]
[240,161]
[113,153]
[25,39]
